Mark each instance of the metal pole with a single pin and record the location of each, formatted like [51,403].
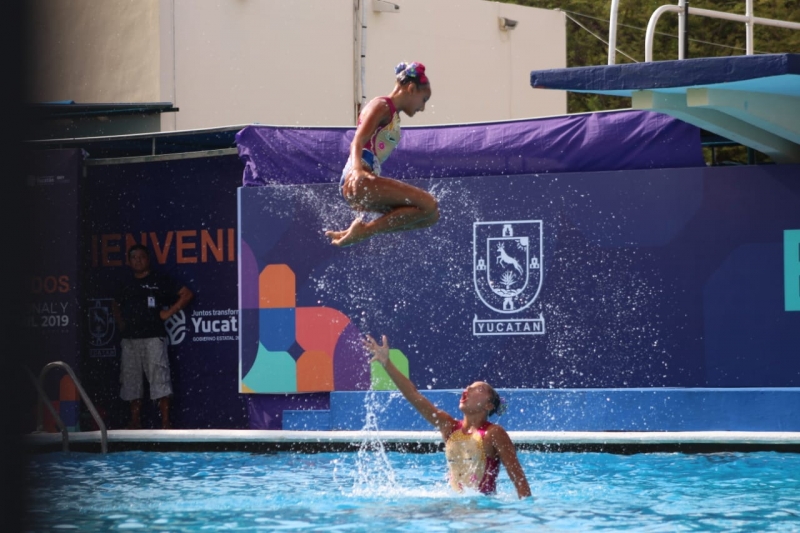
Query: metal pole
[748,27]
[612,33]
[685,35]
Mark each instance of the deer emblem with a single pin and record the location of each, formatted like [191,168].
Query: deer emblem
[504,259]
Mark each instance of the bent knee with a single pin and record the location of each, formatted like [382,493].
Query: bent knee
[430,207]
[430,213]
[434,218]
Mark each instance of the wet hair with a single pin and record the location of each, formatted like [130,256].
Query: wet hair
[497,401]
[135,247]
[413,72]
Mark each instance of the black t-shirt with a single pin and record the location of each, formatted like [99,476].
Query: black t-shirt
[141,300]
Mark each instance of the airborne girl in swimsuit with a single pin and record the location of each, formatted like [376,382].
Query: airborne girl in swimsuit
[474,447]
[403,206]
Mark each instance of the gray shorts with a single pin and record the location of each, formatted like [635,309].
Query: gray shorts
[148,357]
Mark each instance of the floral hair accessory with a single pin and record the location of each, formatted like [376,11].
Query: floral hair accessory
[411,70]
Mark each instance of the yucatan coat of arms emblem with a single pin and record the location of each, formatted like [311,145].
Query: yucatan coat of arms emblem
[507,273]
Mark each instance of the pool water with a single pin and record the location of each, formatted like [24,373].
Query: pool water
[377,491]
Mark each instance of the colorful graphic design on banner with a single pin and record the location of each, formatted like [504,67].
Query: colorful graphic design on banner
[299,349]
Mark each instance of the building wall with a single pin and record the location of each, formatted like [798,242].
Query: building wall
[268,61]
[294,62]
[478,72]
[93,52]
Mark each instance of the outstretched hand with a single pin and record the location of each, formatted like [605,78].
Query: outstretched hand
[380,352]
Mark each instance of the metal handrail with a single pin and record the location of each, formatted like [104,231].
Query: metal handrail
[681,8]
[84,397]
[45,400]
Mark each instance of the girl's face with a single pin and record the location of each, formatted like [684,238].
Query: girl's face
[418,96]
[475,398]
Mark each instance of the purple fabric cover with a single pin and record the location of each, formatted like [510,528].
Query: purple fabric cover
[266,410]
[621,140]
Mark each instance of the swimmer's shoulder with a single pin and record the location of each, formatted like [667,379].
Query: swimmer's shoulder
[380,107]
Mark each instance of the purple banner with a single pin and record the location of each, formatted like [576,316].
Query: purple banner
[622,140]
[631,279]
[185,213]
[51,331]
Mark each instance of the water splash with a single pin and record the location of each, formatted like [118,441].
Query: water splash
[373,473]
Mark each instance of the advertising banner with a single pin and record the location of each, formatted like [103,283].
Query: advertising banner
[184,211]
[625,279]
[51,316]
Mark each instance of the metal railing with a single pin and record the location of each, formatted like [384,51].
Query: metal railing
[44,400]
[682,9]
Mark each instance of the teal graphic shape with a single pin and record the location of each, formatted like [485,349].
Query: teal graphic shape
[272,372]
[791,268]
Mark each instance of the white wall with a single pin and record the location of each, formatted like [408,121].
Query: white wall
[294,62]
[477,71]
[270,61]
[93,51]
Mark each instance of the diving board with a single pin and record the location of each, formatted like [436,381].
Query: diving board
[753,100]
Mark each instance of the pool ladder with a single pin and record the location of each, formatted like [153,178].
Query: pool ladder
[44,400]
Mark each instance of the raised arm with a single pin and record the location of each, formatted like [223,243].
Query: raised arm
[508,456]
[440,419]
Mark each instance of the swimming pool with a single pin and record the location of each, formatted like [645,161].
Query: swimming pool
[393,491]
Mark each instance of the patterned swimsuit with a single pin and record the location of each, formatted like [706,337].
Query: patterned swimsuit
[469,465]
[380,145]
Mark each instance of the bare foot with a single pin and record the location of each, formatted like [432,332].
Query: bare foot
[355,233]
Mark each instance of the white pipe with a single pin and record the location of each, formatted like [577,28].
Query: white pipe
[651,29]
[681,28]
[363,98]
[749,27]
[356,57]
[651,25]
[612,33]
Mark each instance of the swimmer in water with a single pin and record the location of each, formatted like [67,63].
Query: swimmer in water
[474,447]
[403,206]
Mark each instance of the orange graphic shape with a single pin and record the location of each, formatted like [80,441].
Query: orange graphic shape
[67,390]
[314,372]
[318,328]
[276,287]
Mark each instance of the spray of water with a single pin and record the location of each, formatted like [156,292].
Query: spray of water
[373,473]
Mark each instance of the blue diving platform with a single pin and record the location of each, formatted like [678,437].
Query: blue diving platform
[752,100]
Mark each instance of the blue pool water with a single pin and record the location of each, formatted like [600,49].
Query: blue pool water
[373,491]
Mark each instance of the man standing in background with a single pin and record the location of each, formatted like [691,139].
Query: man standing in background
[140,309]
